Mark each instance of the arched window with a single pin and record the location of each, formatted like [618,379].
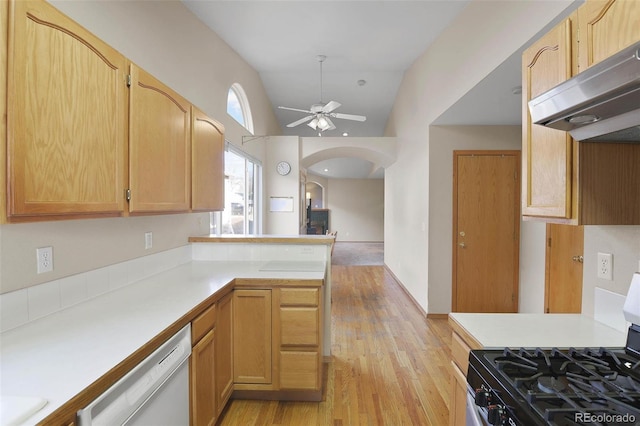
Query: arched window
[238,106]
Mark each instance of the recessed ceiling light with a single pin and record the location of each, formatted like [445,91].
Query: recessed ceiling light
[345,134]
[326,170]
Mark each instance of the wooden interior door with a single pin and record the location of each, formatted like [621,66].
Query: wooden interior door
[486,227]
[563,282]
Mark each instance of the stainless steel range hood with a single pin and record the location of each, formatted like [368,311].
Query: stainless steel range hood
[601,103]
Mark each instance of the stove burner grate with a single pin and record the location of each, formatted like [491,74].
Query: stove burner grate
[564,385]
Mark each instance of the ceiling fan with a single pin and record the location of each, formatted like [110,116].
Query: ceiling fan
[320,114]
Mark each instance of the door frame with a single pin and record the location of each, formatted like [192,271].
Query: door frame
[454,227]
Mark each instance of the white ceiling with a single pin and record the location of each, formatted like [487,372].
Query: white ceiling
[374,41]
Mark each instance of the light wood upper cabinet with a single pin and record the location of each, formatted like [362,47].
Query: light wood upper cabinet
[67,110]
[565,181]
[606,27]
[207,153]
[546,153]
[159,146]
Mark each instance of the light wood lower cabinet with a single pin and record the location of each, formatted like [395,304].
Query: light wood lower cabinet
[224,351]
[252,337]
[278,343]
[256,343]
[300,339]
[202,369]
[461,344]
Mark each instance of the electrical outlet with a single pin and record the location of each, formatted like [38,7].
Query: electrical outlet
[605,266]
[148,240]
[44,257]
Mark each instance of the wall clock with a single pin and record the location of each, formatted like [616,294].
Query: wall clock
[283,168]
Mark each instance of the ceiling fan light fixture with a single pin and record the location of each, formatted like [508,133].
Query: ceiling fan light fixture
[313,124]
[323,124]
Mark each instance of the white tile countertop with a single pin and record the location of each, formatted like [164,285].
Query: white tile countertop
[57,356]
[538,330]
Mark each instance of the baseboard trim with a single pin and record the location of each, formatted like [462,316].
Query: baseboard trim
[413,300]
[437,316]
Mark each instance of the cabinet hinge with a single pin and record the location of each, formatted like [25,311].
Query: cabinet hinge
[128,80]
[127,194]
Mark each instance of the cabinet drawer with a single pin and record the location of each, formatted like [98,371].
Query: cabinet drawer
[460,352]
[299,296]
[299,370]
[203,323]
[299,326]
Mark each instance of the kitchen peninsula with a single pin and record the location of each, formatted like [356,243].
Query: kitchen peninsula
[68,358]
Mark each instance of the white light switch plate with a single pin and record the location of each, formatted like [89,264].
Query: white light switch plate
[148,240]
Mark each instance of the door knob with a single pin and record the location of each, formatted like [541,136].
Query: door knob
[579,259]
[462,234]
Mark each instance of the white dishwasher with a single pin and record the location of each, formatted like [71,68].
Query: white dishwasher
[154,393]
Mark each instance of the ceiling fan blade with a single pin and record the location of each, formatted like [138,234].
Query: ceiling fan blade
[349,116]
[332,105]
[295,109]
[302,120]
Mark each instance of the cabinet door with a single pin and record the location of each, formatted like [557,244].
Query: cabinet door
[546,153]
[252,336]
[224,352]
[606,27]
[160,164]
[203,399]
[67,106]
[207,163]
[458,402]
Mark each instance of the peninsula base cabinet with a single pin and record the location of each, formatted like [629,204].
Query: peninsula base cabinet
[278,343]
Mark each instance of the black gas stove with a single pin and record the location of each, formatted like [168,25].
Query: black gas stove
[532,386]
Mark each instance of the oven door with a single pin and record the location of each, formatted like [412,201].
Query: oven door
[475,414]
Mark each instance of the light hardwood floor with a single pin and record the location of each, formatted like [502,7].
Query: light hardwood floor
[389,365]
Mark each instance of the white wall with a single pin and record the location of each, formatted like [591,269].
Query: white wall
[282,148]
[481,38]
[621,241]
[164,38]
[357,209]
[443,141]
